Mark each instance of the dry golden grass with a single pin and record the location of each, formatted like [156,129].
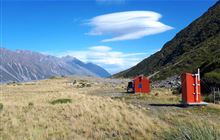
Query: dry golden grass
[28,112]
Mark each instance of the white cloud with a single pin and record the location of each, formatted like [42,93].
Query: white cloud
[127,25]
[100,48]
[104,56]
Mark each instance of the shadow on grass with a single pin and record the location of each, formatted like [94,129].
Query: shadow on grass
[169,105]
[125,92]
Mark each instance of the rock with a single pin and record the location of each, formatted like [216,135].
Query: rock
[81,84]
[171,82]
[74,82]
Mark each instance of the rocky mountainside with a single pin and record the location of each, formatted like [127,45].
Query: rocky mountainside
[198,45]
[26,65]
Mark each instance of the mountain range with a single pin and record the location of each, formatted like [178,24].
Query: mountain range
[22,65]
[196,46]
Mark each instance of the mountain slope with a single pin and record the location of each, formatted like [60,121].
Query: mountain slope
[26,65]
[194,46]
[90,66]
[97,69]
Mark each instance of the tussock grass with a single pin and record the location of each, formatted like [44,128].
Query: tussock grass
[193,130]
[28,115]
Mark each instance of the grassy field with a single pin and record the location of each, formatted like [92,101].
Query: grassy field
[92,108]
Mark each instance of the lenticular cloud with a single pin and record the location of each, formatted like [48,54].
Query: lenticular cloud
[127,25]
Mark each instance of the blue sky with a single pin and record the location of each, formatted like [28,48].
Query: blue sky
[115,34]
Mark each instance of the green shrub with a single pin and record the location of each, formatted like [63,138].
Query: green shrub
[30,104]
[12,83]
[195,130]
[1,106]
[176,91]
[214,75]
[208,98]
[61,101]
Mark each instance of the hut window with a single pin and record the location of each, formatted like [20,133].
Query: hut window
[139,85]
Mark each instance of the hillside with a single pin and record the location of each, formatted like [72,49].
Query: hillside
[26,65]
[198,45]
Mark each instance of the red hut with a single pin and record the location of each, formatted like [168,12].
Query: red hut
[191,89]
[141,84]
[191,92]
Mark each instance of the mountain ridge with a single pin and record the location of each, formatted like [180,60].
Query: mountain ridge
[22,65]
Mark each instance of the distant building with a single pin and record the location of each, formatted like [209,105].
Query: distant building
[139,84]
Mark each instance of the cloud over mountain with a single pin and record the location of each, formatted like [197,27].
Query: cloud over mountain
[127,25]
[106,57]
